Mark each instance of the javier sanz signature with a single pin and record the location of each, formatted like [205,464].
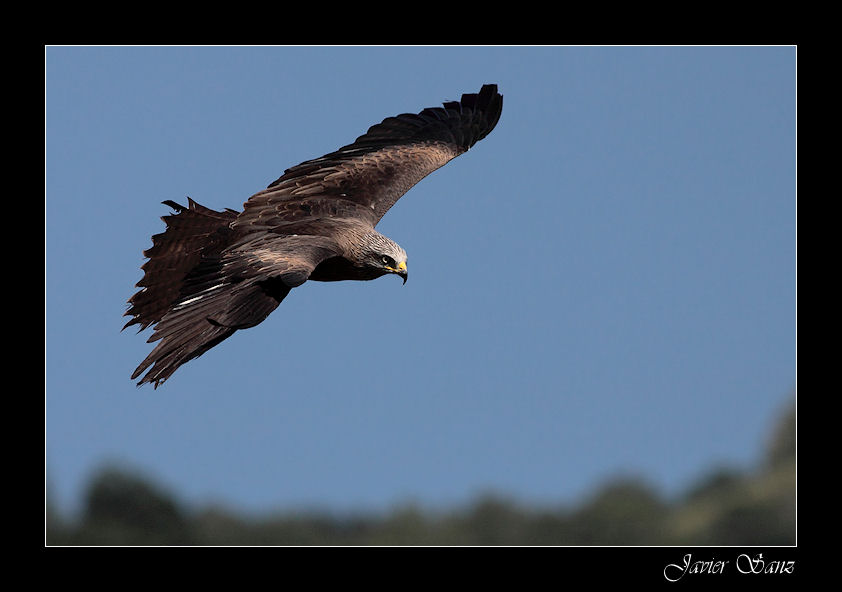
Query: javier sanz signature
[744,564]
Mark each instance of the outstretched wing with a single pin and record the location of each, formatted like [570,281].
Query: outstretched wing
[204,281]
[212,273]
[364,179]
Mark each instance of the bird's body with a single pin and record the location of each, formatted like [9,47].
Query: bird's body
[212,273]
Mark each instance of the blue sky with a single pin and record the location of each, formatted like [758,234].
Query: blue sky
[603,286]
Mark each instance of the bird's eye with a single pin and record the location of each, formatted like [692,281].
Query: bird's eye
[388,261]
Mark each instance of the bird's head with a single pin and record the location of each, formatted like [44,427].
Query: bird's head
[383,255]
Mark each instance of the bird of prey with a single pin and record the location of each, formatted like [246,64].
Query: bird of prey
[211,273]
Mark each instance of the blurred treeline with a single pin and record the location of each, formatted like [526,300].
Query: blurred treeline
[726,507]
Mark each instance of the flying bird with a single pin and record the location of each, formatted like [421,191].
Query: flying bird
[212,273]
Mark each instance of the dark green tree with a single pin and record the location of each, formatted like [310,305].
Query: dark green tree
[123,508]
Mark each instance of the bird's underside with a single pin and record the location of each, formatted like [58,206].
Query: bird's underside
[211,273]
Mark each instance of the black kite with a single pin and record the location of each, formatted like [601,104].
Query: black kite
[211,273]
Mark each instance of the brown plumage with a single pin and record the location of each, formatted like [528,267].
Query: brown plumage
[211,273]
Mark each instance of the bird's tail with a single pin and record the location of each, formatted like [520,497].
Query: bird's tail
[194,235]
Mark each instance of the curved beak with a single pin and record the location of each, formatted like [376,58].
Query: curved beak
[400,270]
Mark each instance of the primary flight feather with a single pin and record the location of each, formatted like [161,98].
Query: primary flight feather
[211,273]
